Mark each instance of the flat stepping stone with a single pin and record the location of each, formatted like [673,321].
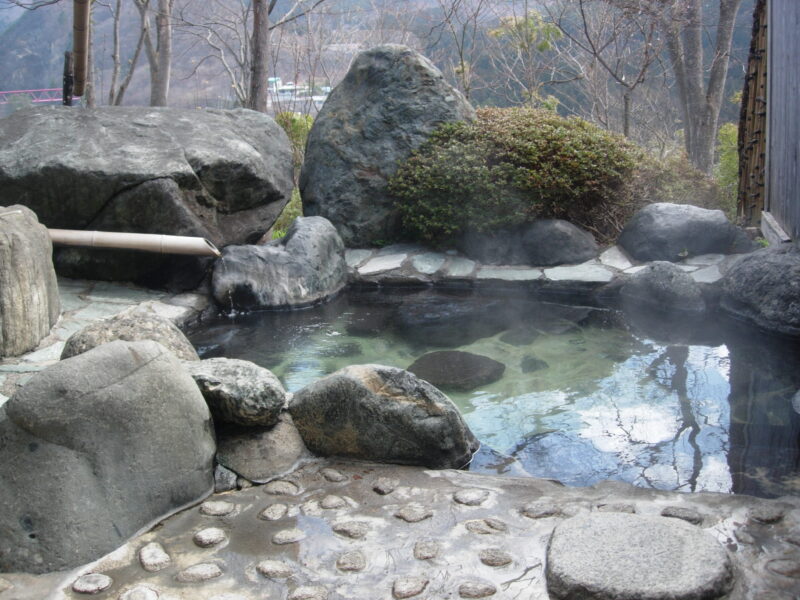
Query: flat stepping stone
[211,536]
[408,587]
[476,589]
[199,572]
[471,497]
[140,592]
[428,263]
[379,264]
[614,257]
[333,475]
[354,530]
[274,569]
[766,514]
[281,488]
[426,549]
[331,502]
[309,592]
[460,267]
[153,557]
[353,258]
[616,556]
[288,536]
[217,508]
[385,486]
[351,561]
[495,557]
[687,514]
[92,583]
[508,274]
[413,513]
[273,512]
[618,507]
[486,526]
[586,273]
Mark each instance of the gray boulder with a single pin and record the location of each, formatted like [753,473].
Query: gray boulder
[390,101]
[664,231]
[261,454]
[29,300]
[131,325]
[763,288]
[300,269]
[95,448]
[456,370]
[663,287]
[238,391]
[542,243]
[222,175]
[383,414]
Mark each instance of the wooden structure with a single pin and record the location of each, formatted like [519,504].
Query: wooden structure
[769,132]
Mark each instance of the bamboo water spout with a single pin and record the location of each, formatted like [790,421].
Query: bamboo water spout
[146,242]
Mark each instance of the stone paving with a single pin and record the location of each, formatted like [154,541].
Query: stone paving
[408,263]
[343,530]
[83,302]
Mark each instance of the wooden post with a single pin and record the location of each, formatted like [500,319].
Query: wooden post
[69,80]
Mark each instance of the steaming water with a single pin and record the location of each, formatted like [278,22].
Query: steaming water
[610,402]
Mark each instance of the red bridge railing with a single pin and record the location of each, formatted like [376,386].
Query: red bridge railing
[35,96]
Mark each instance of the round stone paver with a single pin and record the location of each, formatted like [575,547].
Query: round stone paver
[408,587]
[140,592]
[385,486]
[413,513]
[281,488]
[352,561]
[353,529]
[332,502]
[617,556]
[274,569]
[217,508]
[153,557]
[333,475]
[687,514]
[426,549]
[211,536]
[495,557]
[199,572]
[309,592]
[476,589]
[92,583]
[288,536]
[273,512]
[471,497]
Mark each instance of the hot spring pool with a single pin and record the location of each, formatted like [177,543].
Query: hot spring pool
[585,395]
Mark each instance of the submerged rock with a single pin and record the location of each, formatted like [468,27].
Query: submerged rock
[238,391]
[383,414]
[450,322]
[388,104]
[672,232]
[455,370]
[131,325]
[93,449]
[542,243]
[220,174]
[764,289]
[29,300]
[302,268]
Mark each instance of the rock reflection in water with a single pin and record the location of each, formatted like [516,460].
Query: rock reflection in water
[646,400]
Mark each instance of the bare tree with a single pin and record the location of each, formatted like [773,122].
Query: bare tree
[117,88]
[159,51]
[700,96]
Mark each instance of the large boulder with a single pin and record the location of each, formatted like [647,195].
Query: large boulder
[222,175]
[672,232]
[302,268]
[29,300]
[456,370]
[663,287]
[383,414]
[763,288]
[132,325]
[388,104]
[542,243]
[95,448]
[238,391]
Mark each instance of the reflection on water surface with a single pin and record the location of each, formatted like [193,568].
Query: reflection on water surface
[584,396]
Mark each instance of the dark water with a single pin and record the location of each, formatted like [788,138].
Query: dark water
[587,394]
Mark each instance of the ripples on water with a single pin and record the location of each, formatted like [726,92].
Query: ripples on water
[702,407]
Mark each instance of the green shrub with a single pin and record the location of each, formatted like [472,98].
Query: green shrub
[292,210]
[514,165]
[727,170]
[296,126]
[508,167]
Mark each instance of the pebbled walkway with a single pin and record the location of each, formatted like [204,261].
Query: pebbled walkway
[340,530]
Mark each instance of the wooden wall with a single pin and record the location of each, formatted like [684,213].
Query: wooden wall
[783,154]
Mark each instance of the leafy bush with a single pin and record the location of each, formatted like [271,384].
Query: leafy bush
[296,126]
[292,210]
[512,166]
[727,170]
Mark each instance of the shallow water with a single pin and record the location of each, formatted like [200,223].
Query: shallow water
[709,409]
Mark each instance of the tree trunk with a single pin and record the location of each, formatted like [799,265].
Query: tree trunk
[160,77]
[89,91]
[257,98]
[626,113]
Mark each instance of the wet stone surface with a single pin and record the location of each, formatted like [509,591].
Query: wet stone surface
[490,550]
